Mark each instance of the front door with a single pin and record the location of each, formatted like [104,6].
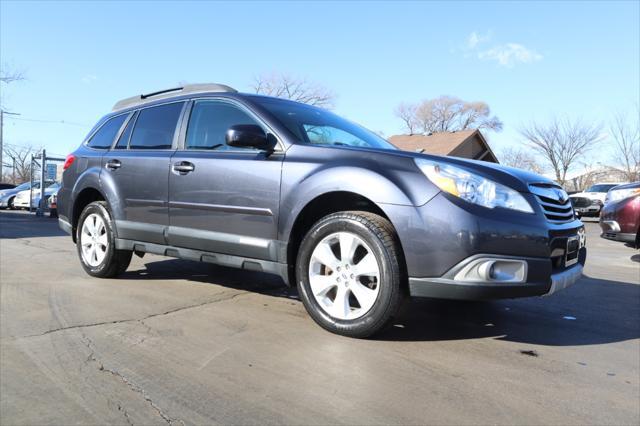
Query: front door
[223,199]
[136,171]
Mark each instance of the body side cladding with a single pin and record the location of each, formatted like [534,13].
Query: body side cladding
[241,262]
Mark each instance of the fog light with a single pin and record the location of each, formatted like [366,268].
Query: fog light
[496,270]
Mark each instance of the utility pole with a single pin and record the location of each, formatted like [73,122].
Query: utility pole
[42,204]
[2,113]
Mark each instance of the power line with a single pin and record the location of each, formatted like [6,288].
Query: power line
[36,120]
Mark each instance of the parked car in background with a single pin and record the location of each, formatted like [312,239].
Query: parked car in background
[6,186]
[21,200]
[209,174]
[620,218]
[590,201]
[7,196]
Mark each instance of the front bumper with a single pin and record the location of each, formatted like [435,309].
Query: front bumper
[591,210]
[20,203]
[619,236]
[542,279]
[441,237]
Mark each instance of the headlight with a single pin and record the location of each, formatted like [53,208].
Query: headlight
[472,187]
[596,202]
[621,194]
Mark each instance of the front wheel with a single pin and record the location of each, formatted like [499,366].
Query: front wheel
[350,273]
[96,243]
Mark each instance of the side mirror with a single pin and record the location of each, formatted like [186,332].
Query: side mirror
[248,136]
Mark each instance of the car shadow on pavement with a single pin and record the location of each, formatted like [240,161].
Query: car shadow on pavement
[207,273]
[591,312]
[27,225]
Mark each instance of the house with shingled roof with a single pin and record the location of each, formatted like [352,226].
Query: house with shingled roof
[465,144]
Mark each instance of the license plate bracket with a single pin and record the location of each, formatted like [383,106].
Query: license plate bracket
[572,251]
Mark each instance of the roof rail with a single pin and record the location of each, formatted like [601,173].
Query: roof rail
[161,94]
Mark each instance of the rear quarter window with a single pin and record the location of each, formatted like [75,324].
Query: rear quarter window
[103,138]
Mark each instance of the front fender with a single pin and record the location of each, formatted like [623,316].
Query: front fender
[381,179]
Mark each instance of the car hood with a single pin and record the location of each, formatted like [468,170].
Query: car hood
[517,179]
[6,192]
[590,195]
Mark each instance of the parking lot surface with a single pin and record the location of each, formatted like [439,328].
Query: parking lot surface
[180,342]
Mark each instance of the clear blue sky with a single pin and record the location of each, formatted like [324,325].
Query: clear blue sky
[527,60]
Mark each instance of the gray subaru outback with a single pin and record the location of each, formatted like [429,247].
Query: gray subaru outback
[205,173]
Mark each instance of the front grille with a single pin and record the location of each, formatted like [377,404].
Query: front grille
[580,202]
[554,202]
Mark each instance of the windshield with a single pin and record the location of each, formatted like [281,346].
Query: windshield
[316,126]
[22,186]
[601,188]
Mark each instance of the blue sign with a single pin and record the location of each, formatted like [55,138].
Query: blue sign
[51,172]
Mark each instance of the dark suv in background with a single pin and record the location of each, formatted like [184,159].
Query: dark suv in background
[205,173]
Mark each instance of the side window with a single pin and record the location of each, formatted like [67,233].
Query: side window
[123,142]
[104,137]
[209,122]
[155,127]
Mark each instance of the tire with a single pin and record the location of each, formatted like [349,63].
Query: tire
[371,295]
[10,204]
[105,261]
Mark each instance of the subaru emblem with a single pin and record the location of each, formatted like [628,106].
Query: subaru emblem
[562,196]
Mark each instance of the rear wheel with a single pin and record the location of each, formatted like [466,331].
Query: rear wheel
[350,273]
[96,243]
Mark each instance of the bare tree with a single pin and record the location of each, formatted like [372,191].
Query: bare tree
[627,145]
[294,88]
[19,159]
[521,159]
[9,76]
[562,142]
[447,114]
[407,113]
[6,77]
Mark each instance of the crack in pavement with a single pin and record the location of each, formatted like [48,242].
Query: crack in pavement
[125,413]
[140,320]
[132,386]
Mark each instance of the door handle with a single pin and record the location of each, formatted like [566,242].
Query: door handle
[183,167]
[113,164]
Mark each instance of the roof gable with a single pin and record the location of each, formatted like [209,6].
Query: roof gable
[464,143]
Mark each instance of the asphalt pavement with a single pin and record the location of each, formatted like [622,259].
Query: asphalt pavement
[180,342]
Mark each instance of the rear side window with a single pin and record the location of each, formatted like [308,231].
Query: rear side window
[105,135]
[155,127]
[209,123]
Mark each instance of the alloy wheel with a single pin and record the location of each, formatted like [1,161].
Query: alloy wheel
[344,275]
[94,240]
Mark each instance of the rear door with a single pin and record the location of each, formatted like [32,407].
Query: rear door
[223,199]
[136,172]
